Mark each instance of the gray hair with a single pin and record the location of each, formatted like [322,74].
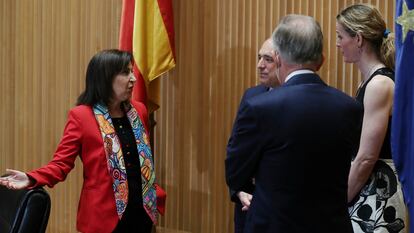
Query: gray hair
[298,39]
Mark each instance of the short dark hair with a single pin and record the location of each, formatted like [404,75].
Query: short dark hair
[100,74]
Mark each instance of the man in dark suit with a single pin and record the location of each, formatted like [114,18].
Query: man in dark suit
[296,142]
[266,67]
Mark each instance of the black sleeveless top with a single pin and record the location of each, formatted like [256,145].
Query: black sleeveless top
[385,152]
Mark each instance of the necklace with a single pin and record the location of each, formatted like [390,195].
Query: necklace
[371,71]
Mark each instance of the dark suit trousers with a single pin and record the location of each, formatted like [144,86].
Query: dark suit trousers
[239,218]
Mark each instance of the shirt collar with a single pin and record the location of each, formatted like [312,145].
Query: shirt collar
[296,72]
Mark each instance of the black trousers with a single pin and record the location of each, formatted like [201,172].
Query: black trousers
[239,218]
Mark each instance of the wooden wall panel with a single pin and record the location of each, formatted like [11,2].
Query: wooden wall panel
[46,45]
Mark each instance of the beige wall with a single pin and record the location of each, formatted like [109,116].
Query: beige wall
[45,47]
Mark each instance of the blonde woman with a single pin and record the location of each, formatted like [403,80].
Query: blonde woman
[374,192]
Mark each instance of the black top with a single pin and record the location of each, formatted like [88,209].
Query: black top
[129,150]
[135,218]
[385,152]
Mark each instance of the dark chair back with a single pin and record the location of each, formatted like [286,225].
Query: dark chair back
[24,211]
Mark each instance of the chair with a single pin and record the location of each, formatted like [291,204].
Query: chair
[24,211]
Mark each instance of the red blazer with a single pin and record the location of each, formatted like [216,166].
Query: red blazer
[96,209]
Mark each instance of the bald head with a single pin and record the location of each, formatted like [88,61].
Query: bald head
[268,44]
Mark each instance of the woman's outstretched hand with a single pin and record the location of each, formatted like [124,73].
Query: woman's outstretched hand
[14,179]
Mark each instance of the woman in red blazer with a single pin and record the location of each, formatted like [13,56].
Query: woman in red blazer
[109,133]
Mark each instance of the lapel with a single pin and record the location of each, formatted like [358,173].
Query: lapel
[116,164]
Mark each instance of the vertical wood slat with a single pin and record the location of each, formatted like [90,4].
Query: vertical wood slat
[46,45]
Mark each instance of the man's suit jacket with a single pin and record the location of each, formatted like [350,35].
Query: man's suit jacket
[297,142]
[239,215]
[249,93]
[96,209]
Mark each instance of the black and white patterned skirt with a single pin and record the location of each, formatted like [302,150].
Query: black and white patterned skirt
[380,207]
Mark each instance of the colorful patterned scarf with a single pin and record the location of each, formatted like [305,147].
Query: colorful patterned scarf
[116,164]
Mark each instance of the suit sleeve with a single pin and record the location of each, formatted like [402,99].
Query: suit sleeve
[242,103]
[249,187]
[244,150]
[64,158]
[249,93]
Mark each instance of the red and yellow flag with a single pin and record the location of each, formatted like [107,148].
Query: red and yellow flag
[147,30]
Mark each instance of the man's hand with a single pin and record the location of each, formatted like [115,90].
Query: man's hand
[245,199]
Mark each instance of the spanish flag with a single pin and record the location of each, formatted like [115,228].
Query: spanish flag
[147,30]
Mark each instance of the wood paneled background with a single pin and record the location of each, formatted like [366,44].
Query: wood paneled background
[45,48]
